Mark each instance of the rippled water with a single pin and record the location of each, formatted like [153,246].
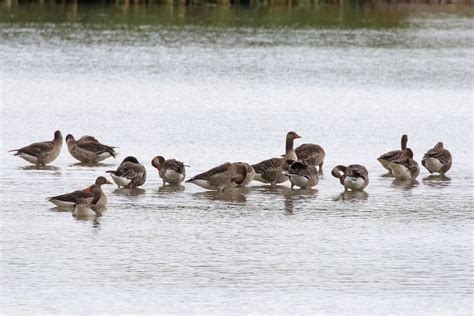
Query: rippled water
[208,94]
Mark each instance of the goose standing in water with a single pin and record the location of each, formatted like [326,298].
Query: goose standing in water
[225,176]
[437,159]
[302,175]
[272,170]
[387,158]
[82,208]
[405,168]
[130,173]
[92,194]
[311,154]
[41,153]
[353,177]
[171,170]
[87,149]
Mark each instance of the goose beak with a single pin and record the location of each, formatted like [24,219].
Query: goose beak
[108,182]
[297,136]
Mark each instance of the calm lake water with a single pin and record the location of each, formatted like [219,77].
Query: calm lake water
[208,85]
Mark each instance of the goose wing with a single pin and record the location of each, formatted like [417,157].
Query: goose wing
[73,196]
[443,155]
[268,164]
[302,169]
[214,172]
[393,155]
[175,165]
[87,138]
[96,147]
[271,169]
[312,154]
[357,171]
[128,170]
[36,149]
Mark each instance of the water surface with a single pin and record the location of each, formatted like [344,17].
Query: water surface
[209,92]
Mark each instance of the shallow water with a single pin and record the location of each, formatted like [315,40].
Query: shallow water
[207,94]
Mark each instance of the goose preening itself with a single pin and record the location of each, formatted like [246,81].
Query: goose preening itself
[82,208]
[437,159]
[272,170]
[311,154]
[92,194]
[87,149]
[130,173]
[302,175]
[387,158]
[225,176]
[353,177]
[171,170]
[405,168]
[41,153]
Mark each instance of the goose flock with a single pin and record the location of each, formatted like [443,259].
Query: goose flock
[302,166]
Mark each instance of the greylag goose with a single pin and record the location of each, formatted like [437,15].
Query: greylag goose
[405,168]
[171,170]
[225,176]
[302,175]
[130,173]
[87,149]
[93,194]
[82,208]
[353,177]
[437,159]
[387,158]
[311,154]
[41,153]
[272,170]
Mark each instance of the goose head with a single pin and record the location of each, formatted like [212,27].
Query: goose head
[102,180]
[339,172]
[157,162]
[58,137]
[292,135]
[404,141]
[69,138]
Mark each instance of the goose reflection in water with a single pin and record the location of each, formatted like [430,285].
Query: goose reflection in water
[437,180]
[94,220]
[61,209]
[131,192]
[227,196]
[37,167]
[298,195]
[405,184]
[97,164]
[171,188]
[352,196]
[270,189]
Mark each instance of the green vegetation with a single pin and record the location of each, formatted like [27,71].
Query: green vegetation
[266,13]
